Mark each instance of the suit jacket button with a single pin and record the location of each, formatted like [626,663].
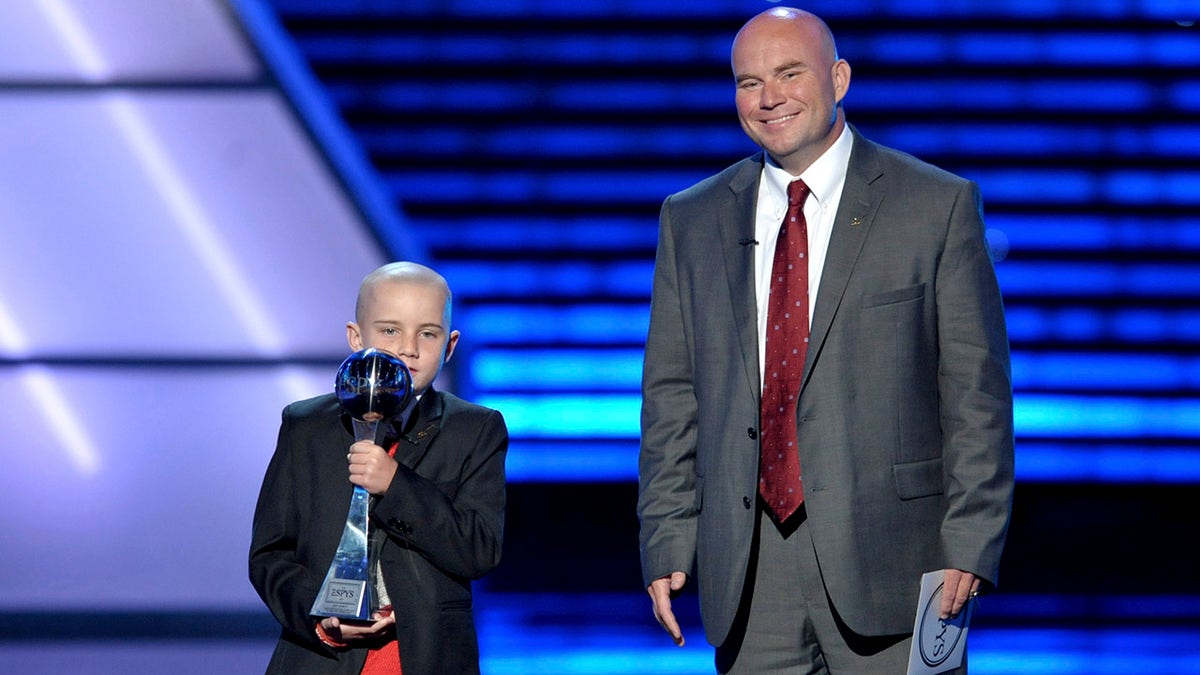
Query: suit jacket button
[752,433]
[746,502]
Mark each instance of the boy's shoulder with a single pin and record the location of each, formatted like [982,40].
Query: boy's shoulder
[453,405]
[457,402]
[325,405]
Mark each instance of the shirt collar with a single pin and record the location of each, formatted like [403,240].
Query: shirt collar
[822,177]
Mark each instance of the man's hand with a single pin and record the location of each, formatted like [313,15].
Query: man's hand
[661,591]
[349,633]
[958,588]
[371,468]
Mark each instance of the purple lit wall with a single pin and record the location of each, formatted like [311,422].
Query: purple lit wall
[177,261]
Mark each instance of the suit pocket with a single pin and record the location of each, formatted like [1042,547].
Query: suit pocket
[457,605]
[918,479]
[894,296]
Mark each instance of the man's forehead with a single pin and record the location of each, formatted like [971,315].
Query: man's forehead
[801,33]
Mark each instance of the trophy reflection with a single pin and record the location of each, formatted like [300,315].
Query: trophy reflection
[372,387]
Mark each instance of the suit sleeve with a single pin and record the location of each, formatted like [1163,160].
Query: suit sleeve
[667,462]
[284,583]
[457,525]
[975,392]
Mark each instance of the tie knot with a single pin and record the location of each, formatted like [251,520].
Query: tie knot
[797,192]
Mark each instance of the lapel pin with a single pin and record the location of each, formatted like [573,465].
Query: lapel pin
[855,221]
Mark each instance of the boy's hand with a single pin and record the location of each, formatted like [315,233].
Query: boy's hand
[371,468]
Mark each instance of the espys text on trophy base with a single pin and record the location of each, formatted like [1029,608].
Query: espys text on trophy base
[373,387]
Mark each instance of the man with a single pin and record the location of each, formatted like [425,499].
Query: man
[437,486]
[887,451]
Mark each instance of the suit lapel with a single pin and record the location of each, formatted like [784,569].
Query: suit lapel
[855,215]
[735,220]
[418,433]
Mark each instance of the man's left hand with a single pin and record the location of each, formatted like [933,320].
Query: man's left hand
[958,588]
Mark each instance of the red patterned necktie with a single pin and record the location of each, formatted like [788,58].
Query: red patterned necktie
[786,344]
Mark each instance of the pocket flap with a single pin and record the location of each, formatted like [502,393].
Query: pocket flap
[894,296]
[918,479]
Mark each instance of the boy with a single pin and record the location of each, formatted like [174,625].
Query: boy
[437,490]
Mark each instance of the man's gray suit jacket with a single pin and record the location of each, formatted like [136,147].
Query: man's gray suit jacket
[905,414]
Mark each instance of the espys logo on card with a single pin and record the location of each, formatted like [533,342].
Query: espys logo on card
[937,638]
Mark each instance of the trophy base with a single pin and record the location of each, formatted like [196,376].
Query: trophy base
[347,599]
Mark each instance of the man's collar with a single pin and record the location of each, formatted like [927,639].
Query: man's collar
[822,176]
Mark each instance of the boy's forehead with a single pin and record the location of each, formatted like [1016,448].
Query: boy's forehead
[390,296]
[406,287]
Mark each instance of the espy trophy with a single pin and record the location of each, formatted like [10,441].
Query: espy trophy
[372,386]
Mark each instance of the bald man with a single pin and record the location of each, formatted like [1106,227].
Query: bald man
[850,286]
[437,487]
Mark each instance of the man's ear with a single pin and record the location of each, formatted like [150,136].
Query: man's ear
[353,336]
[841,79]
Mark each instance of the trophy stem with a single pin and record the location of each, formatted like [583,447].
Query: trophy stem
[346,591]
[364,430]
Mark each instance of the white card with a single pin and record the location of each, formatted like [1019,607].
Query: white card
[937,645]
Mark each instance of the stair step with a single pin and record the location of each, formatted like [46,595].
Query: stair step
[533,323]
[564,142]
[580,237]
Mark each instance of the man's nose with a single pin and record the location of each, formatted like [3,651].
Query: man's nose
[771,96]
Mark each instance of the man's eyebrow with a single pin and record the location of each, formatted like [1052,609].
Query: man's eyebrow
[790,66]
[742,77]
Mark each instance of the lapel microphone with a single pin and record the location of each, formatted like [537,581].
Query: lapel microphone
[747,242]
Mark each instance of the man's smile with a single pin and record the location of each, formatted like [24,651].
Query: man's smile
[780,120]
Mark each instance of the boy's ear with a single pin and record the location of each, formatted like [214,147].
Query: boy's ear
[353,336]
[450,343]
